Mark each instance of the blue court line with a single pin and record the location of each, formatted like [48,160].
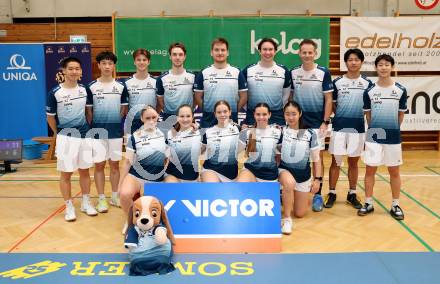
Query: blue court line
[402,223]
[412,198]
[432,170]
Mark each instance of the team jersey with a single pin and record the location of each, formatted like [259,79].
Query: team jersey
[219,84]
[221,149]
[348,95]
[309,88]
[150,154]
[262,163]
[106,100]
[185,150]
[68,106]
[385,105]
[267,85]
[175,89]
[296,150]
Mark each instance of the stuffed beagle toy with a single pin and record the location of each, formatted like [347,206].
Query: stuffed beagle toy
[149,238]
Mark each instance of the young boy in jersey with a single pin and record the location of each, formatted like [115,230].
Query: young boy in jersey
[384,106]
[217,82]
[66,105]
[106,105]
[348,136]
[312,89]
[174,87]
[268,82]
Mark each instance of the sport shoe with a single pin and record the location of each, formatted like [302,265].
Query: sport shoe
[397,212]
[317,203]
[330,200]
[366,209]
[114,201]
[102,206]
[69,214]
[353,200]
[87,208]
[286,226]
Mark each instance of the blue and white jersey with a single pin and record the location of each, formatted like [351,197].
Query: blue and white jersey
[68,106]
[106,100]
[348,94]
[219,84]
[267,85]
[296,151]
[309,88]
[262,163]
[385,105]
[141,93]
[222,149]
[150,154]
[185,148]
[176,90]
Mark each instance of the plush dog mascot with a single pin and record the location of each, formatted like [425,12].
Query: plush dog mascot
[149,238]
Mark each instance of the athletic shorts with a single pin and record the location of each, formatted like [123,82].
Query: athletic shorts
[321,139]
[73,153]
[300,186]
[346,144]
[376,154]
[105,149]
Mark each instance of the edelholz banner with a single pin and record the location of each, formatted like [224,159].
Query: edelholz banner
[414,42]
[56,52]
[243,34]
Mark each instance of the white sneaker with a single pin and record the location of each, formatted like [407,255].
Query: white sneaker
[114,201]
[69,214]
[286,226]
[87,208]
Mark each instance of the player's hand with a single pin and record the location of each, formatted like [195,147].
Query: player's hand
[195,126]
[244,126]
[315,186]
[323,129]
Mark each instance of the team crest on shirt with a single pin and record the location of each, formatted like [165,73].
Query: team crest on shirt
[228,74]
[376,98]
[394,93]
[313,77]
[186,81]
[274,73]
[149,85]
[114,90]
[360,84]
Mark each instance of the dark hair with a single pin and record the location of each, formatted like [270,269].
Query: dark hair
[177,44]
[69,59]
[252,141]
[355,51]
[268,39]
[297,106]
[222,102]
[142,51]
[308,41]
[385,57]
[106,55]
[177,125]
[145,108]
[220,40]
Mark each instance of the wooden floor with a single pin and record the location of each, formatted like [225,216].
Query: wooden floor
[32,217]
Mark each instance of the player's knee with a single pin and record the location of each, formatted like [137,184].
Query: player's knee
[100,166]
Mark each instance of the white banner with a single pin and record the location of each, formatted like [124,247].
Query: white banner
[414,42]
[423,103]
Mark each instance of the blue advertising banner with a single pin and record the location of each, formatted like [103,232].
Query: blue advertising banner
[220,208]
[23,91]
[56,52]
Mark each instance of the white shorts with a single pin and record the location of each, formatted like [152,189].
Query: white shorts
[300,186]
[221,177]
[105,149]
[321,139]
[73,153]
[377,154]
[346,144]
[182,180]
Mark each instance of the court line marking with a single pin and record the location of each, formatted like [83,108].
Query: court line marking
[402,223]
[432,170]
[412,198]
[57,211]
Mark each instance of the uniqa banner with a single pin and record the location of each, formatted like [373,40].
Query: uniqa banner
[56,52]
[23,91]
[243,34]
[414,42]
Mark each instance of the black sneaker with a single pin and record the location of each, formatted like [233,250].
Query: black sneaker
[330,200]
[366,209]
[397,212]
[353,200]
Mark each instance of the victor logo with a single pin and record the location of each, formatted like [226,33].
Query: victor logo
[285,46]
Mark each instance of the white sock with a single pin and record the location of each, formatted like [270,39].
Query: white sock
[115,194]
[369,200]
[101,196]
[395,202]
[352,191]
[69,202]
[333,191]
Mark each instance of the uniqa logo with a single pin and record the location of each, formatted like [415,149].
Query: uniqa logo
[286,47]
[18,63]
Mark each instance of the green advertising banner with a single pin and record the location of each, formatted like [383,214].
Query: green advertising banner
[243,34]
